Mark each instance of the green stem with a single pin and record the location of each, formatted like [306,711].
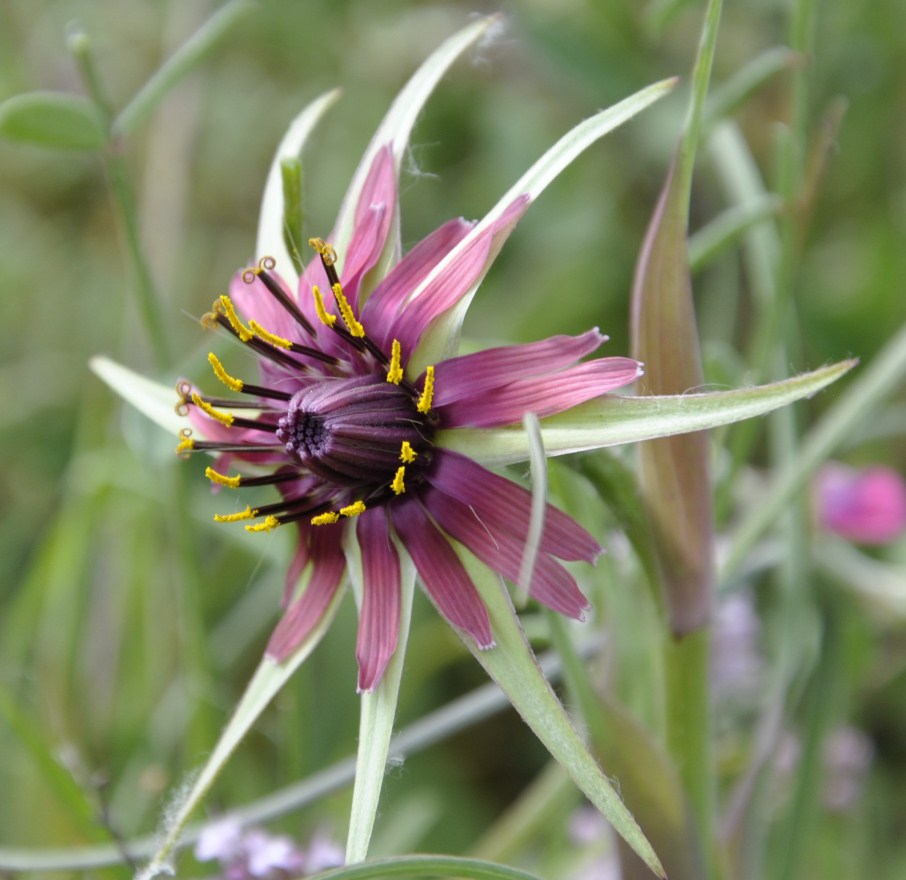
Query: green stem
[688,715]
[701,76]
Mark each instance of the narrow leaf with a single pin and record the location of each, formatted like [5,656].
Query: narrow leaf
[395,129]
[442,338]
[611,420]
[267,681]
[270,241]
[152,399]
[52,119]
[376,728]
[512,664]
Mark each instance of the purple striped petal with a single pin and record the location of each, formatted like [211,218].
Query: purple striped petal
[543,395]
[551,584]
[380,311]
[446,580]
[303,615]
[373,216]
[467,263]
[504,506]
[479,373]
[298,562]
[379,618]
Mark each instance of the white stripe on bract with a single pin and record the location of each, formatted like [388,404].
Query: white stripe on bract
[270,241]
[538,464]
[395,129]
[442,338]
[150,398]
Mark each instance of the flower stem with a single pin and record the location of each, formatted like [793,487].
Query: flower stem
[688,716]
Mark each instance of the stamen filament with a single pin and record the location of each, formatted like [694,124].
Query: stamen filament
[280,295]
[219,371]
[267,525]
[355,328]
[224,418]
[222,479]
[325,317]
[267,336]
[395,372]
[186,444]
[424,402]
[248,513]
[242,331]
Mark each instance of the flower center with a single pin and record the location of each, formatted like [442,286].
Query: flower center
[356,432]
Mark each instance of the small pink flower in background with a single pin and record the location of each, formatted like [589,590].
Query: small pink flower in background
[255,854]
[864,506]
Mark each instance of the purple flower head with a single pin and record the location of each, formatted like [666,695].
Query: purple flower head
[864,506]
[348,419]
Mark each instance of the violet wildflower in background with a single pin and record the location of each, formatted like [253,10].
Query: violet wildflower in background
[864,506]
[255,854]
[348,432]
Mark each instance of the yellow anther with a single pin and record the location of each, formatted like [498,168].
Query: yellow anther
[325,316]
[325,519]
[242,331]
[204,406]
[267,336]
[398,486]
[268,524]
[355,328]
[407,453]
[248,513]
[353,509]
[186,444]
[395,371]
[223,375]
[324,250]
[222,479]
[424,402]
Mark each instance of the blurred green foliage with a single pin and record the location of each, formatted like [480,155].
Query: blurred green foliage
[130,623]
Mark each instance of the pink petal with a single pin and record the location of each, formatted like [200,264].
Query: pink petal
[303,615]
[503,505]
[868,506]
[498,548]
[373,216]
[484,371]
[379,619]
[298,562]
[470,259]
[380,311]
[443,575]
[542,396]
[254,302]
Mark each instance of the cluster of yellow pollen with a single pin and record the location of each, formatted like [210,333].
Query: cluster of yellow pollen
[219,371]
[395,370]
[424,402]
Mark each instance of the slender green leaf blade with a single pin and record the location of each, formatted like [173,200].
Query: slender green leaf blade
[512,664]
[612,420]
